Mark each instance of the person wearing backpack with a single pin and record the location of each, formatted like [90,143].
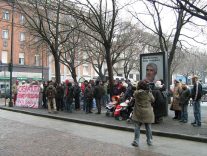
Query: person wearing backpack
[50,93]
[69,97]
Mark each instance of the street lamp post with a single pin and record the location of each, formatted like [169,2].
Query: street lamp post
[42,67]
[11,57]
[166,78]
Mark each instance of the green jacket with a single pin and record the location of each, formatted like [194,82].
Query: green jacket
[143,111]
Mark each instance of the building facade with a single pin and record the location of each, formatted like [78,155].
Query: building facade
[29,62]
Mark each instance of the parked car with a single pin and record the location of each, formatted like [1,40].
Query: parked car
[204,88]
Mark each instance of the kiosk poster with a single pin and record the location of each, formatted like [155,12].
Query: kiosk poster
[152,67]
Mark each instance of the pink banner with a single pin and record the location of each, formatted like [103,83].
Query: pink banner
[28,96]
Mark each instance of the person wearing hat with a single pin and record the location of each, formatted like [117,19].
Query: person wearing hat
[196,97]
[159,103]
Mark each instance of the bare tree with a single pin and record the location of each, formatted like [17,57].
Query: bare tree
[167,42]
[95,55]
[100,19]
[196,8]
[44,22]
[71,45]
[125,41]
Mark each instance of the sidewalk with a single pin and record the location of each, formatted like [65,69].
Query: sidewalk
[168,128]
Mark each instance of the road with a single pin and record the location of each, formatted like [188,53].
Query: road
[25,135]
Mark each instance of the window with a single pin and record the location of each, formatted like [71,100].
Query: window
[131,76]
[21,58]
[5,34]
[137,77]
[5,15]
[4,57]
[37,60]
[5,43]
[85,69]
[22,36]
[22,45]
[21,19]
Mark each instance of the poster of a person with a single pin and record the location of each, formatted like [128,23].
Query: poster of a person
[152,67]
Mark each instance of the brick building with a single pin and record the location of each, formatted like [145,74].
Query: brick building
[29,62]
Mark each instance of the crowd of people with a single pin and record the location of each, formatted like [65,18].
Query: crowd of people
[149,100]
[181,96]
[84,97]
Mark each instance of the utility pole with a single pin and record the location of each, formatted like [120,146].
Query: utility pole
[11,57]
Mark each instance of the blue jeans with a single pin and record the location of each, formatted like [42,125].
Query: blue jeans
[197,111]
[137,131]
[184,113]
[106,99]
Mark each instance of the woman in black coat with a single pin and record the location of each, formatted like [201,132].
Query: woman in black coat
[159,103]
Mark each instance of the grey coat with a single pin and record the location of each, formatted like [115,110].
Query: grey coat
[143,111]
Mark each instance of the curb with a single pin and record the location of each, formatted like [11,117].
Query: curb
[156,133]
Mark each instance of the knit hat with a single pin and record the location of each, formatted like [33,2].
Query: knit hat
[158,84]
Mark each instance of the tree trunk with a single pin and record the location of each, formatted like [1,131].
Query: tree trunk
[110,70]
[57,69]
[101,75]
[74,75]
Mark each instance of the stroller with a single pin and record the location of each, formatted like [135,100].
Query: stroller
[110,107]
[121,111]
[130,110]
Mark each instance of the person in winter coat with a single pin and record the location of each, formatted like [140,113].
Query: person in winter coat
[175,106]
[51,93]
[77,91]
[44,96]
[196,97]
[143,112]
[98,94]
[129,92]
[159,103]
[59,97]
[69,97]
[88,95]
[184,100]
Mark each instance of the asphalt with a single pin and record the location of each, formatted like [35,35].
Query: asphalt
[168,128]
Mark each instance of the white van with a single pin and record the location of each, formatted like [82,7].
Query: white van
[119,78]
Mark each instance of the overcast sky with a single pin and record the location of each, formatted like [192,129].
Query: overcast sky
[168,20]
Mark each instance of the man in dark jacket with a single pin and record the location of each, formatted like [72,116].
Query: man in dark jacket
[59,96]
[69,97]
[88,95]
[44,96]
[98,94]
[184,100]
[77,91]
[196,97]
[159,103]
